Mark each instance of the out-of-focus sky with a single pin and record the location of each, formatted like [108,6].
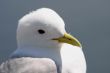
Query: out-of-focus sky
[88,20]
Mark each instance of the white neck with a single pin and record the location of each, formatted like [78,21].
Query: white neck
[53,53]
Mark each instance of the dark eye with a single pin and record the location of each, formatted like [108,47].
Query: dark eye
[40,31]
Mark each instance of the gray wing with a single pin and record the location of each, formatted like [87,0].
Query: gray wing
[28,65]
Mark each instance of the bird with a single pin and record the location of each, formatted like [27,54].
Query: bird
[44,46]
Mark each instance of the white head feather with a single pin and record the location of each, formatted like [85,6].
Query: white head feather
[42,19]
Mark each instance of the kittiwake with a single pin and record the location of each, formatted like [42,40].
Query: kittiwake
[44,46]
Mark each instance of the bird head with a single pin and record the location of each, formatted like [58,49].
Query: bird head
[43,28]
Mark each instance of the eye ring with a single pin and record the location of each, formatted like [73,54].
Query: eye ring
[40,31]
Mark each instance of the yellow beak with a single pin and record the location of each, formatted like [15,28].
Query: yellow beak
[67,38]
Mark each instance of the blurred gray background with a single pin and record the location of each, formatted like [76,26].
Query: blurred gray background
[88,20]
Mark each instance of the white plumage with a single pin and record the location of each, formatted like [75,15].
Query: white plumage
[43,46]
